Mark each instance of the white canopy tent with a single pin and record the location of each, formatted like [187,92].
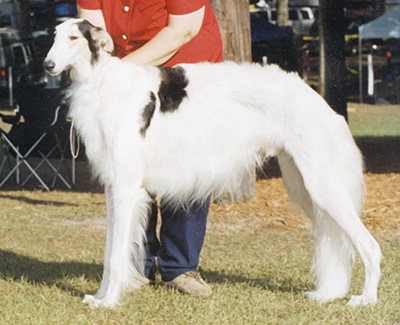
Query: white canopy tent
[385,26]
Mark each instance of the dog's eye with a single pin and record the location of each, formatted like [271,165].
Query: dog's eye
[73,38]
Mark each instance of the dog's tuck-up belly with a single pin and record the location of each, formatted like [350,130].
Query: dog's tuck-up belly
[190,156]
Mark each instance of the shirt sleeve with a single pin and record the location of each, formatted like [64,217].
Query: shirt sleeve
[89,4]
[183,7]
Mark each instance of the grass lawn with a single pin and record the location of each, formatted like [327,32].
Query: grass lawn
[377,132]
[51,254]
[374,121]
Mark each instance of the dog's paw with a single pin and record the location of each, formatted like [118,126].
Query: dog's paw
[362,301]
[322,296]
[316,296]
[94,302]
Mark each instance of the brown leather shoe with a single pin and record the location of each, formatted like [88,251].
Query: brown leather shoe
[190,283]
[140,284]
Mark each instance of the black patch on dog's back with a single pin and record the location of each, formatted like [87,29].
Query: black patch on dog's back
[172,88]
[147,114]
[85,28]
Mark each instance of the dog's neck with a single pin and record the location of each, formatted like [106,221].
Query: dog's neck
[84,71]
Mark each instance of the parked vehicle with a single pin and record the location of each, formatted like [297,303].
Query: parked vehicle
[273,44]
[300,18]
[10,15]
[18,59]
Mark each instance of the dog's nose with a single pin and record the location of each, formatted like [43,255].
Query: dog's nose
[49,65]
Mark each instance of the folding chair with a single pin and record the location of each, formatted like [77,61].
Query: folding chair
[39,130]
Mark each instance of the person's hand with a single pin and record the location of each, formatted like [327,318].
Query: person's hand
[95,17]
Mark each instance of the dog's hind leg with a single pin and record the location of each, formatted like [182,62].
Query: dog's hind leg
[333,256]
[124,246]
[332,249]
[337,227]
[341,210]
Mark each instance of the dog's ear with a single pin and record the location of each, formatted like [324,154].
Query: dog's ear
[103,39]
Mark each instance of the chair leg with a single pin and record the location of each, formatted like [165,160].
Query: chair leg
[33,171]
[22,159]
[8,175]
[17,172]
[36,175]
[13,169]
[58,175]
[62,150]
[37,166]
[16,168]
[5,147]
[71,174]
[73,159]
[56,171]
[4,160]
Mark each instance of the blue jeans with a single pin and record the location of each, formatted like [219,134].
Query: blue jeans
[181,239]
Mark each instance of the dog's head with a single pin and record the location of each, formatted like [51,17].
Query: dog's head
[77,42]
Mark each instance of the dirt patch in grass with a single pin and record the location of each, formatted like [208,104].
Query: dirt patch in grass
[273,209]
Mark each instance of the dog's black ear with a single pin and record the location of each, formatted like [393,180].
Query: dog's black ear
[103,39]
[97,38]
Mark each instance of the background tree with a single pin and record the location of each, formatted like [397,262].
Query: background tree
[332,81]
[234,22]
[282,11]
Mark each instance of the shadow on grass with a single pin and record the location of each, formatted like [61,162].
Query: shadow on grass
[381,154]
[21,268]
[24,268]
[36,202]
[269,283]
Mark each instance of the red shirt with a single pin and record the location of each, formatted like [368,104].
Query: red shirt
[132,23]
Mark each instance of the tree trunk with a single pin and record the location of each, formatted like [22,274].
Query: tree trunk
[234,22]
[282,10]
[332,85]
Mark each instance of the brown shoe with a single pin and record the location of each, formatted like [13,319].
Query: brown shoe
[140,284]
[190,283]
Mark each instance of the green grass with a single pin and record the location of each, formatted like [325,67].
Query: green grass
[377,133]
[51,254]
[374,121]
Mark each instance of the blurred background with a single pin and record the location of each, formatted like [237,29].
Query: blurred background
[286,32]
[347,50]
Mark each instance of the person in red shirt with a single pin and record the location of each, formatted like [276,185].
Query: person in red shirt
[165,33]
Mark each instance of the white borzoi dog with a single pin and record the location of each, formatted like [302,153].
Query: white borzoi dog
[187,132]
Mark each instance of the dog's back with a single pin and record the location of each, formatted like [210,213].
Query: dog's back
[233,116]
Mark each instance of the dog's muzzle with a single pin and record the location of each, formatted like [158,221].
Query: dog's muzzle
[49,65]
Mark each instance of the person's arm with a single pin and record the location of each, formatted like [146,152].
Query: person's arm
[93,16]
[180,30]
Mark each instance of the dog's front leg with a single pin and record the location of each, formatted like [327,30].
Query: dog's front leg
[126,221]
[109,235]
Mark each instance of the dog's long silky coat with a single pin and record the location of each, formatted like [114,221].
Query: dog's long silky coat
[186,132]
